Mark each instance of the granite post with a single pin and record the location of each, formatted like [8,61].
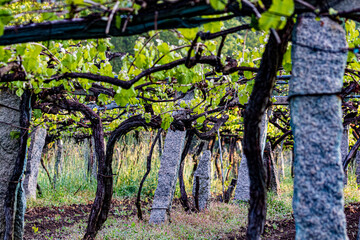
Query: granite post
[9,146]
[242,191]
[319,60]
[34,156]
[279,160]
[282,161]
[168,174]
[203,176]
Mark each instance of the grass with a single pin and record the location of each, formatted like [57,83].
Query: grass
[129,165]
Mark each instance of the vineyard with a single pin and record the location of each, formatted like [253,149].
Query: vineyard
[182,119]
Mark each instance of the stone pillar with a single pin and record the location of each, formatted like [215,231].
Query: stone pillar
[282,161]
[9,147]
[345,143]
[34,156]
[168,174]
[318,62]
[345,148]
[242,191]
[203,174]
[279,160]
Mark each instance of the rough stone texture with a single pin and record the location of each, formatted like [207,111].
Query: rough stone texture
[242,191]
[345,143]
[203,172]
[8,147]
[281,100]
[316,121]
[33,160]
[168,173]
[343,5]
[345,148]
[279,160]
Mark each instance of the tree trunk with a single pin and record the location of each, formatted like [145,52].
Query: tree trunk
[184,198]
[258,102]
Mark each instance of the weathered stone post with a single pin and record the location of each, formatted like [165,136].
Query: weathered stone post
[34,156]
[242,191]
[279,160]
[345,143]
[9,147]
[202,176]
[282,161]
[319,60]
[168,174]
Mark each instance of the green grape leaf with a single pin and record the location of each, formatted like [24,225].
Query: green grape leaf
[37,113]
[166,121]
[276,16]
[140,61]
[201,119]
[19,92]
[147,117]
[188,33]
[164,48]
[218,4]
[213,27]
[243,98]
[117,21]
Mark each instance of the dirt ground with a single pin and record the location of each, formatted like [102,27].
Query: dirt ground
[50,221]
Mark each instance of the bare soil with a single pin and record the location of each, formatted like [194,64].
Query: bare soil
[50,221]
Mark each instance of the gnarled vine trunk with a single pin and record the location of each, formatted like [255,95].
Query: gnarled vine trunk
[258,102]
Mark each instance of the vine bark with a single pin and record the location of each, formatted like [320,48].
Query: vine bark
[258,102]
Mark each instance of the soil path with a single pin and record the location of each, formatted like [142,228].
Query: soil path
[50,221]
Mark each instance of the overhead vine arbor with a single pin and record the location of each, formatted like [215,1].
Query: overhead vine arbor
[59,53]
